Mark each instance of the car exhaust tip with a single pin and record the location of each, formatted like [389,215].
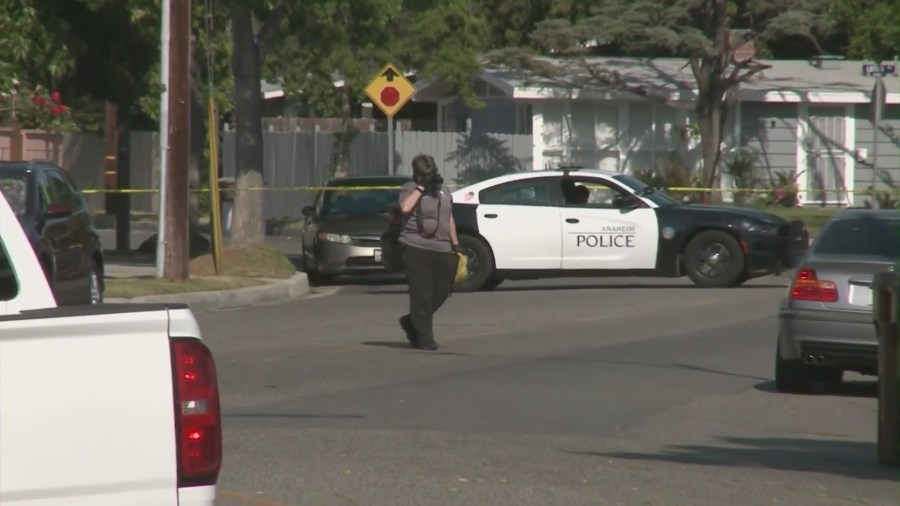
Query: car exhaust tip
[813,359]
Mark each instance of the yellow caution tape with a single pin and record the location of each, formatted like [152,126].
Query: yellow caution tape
[363,188]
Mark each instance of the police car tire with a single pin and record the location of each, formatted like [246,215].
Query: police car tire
[492,283]
[485,264]
[732,276]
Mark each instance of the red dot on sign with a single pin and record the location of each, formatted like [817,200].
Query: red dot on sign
[390,96]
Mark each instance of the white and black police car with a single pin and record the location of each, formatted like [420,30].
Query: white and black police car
[579,222]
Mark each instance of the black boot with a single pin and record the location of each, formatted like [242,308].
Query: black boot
[411,334]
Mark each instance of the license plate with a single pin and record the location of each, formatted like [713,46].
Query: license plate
[860,295]
[377,254]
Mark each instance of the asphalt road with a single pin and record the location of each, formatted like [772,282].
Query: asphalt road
[600,392]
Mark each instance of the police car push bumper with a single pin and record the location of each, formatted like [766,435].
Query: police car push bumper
[535,233]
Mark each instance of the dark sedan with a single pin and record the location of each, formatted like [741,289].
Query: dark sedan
[343,227]
[58,224]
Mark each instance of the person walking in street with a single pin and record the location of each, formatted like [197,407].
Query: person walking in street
[428,244]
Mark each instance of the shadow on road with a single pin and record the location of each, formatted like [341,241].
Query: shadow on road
[598,286]
[843,458]
[388,344]
[289,415]
[866,389]
[572,359]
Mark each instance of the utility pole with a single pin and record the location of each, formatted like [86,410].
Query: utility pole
[163,139]
[178,158]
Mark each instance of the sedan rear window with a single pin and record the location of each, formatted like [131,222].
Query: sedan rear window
[14,187]
[360,202]
[865,236]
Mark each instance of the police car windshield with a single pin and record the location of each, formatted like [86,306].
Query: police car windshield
[658,197]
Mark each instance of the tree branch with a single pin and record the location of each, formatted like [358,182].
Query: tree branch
[614,80]
[752,68]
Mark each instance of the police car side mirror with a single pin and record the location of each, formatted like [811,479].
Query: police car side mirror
[624,201]
[308,211]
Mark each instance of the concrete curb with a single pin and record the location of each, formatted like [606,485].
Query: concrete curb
[277,290]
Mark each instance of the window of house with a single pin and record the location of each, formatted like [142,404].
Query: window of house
[524,114]
[537,192]
[653,132]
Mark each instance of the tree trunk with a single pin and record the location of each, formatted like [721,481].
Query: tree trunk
[708,119]
[248,226]
[343,141]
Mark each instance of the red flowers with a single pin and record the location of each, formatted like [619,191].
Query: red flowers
[56,110]
[39,101]
[56,98]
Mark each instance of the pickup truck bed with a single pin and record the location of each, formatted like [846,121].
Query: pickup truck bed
[107,405]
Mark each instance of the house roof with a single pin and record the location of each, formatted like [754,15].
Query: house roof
[838,81]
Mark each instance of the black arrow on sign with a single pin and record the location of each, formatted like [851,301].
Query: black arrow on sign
[389,74]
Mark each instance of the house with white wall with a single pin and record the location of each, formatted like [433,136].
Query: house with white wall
[810,119]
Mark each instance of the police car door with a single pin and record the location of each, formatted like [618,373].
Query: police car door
[520,220]
[601,233]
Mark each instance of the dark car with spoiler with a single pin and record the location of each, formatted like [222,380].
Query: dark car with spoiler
[58,224]
[342,228]
[580,222]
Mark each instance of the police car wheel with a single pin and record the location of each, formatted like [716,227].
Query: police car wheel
[492,282]
[481,264]
[714,259]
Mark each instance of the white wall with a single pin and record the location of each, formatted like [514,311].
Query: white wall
[618,136]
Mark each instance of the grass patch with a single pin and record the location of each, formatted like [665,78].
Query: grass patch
[127,288]
[255,261]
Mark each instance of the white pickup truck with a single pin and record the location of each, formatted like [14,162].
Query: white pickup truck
[100,405]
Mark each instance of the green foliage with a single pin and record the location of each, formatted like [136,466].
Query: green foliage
[35,45]
[483,157]
[38,109]
[669,172]
[872,27]
[742,169]
[444,38]
[887,199]
[783,190]
[350,40]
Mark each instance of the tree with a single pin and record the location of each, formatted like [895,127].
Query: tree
[718,38]
[872,27]
[249,46]
[349,41]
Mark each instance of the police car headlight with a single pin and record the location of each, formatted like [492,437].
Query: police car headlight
[341,238]
[762,229]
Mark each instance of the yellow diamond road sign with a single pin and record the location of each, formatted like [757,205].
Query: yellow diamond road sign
[390,90]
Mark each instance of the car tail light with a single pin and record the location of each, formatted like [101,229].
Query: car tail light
[198,422]
[807,286]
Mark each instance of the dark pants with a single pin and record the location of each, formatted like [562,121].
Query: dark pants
[430,276]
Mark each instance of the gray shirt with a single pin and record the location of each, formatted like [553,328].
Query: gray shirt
[409,234]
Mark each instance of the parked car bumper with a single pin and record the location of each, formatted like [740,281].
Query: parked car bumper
[774,254]
[333,259]
[844,339]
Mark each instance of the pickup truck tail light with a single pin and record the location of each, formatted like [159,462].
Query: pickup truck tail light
[808,287]
[198,421]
